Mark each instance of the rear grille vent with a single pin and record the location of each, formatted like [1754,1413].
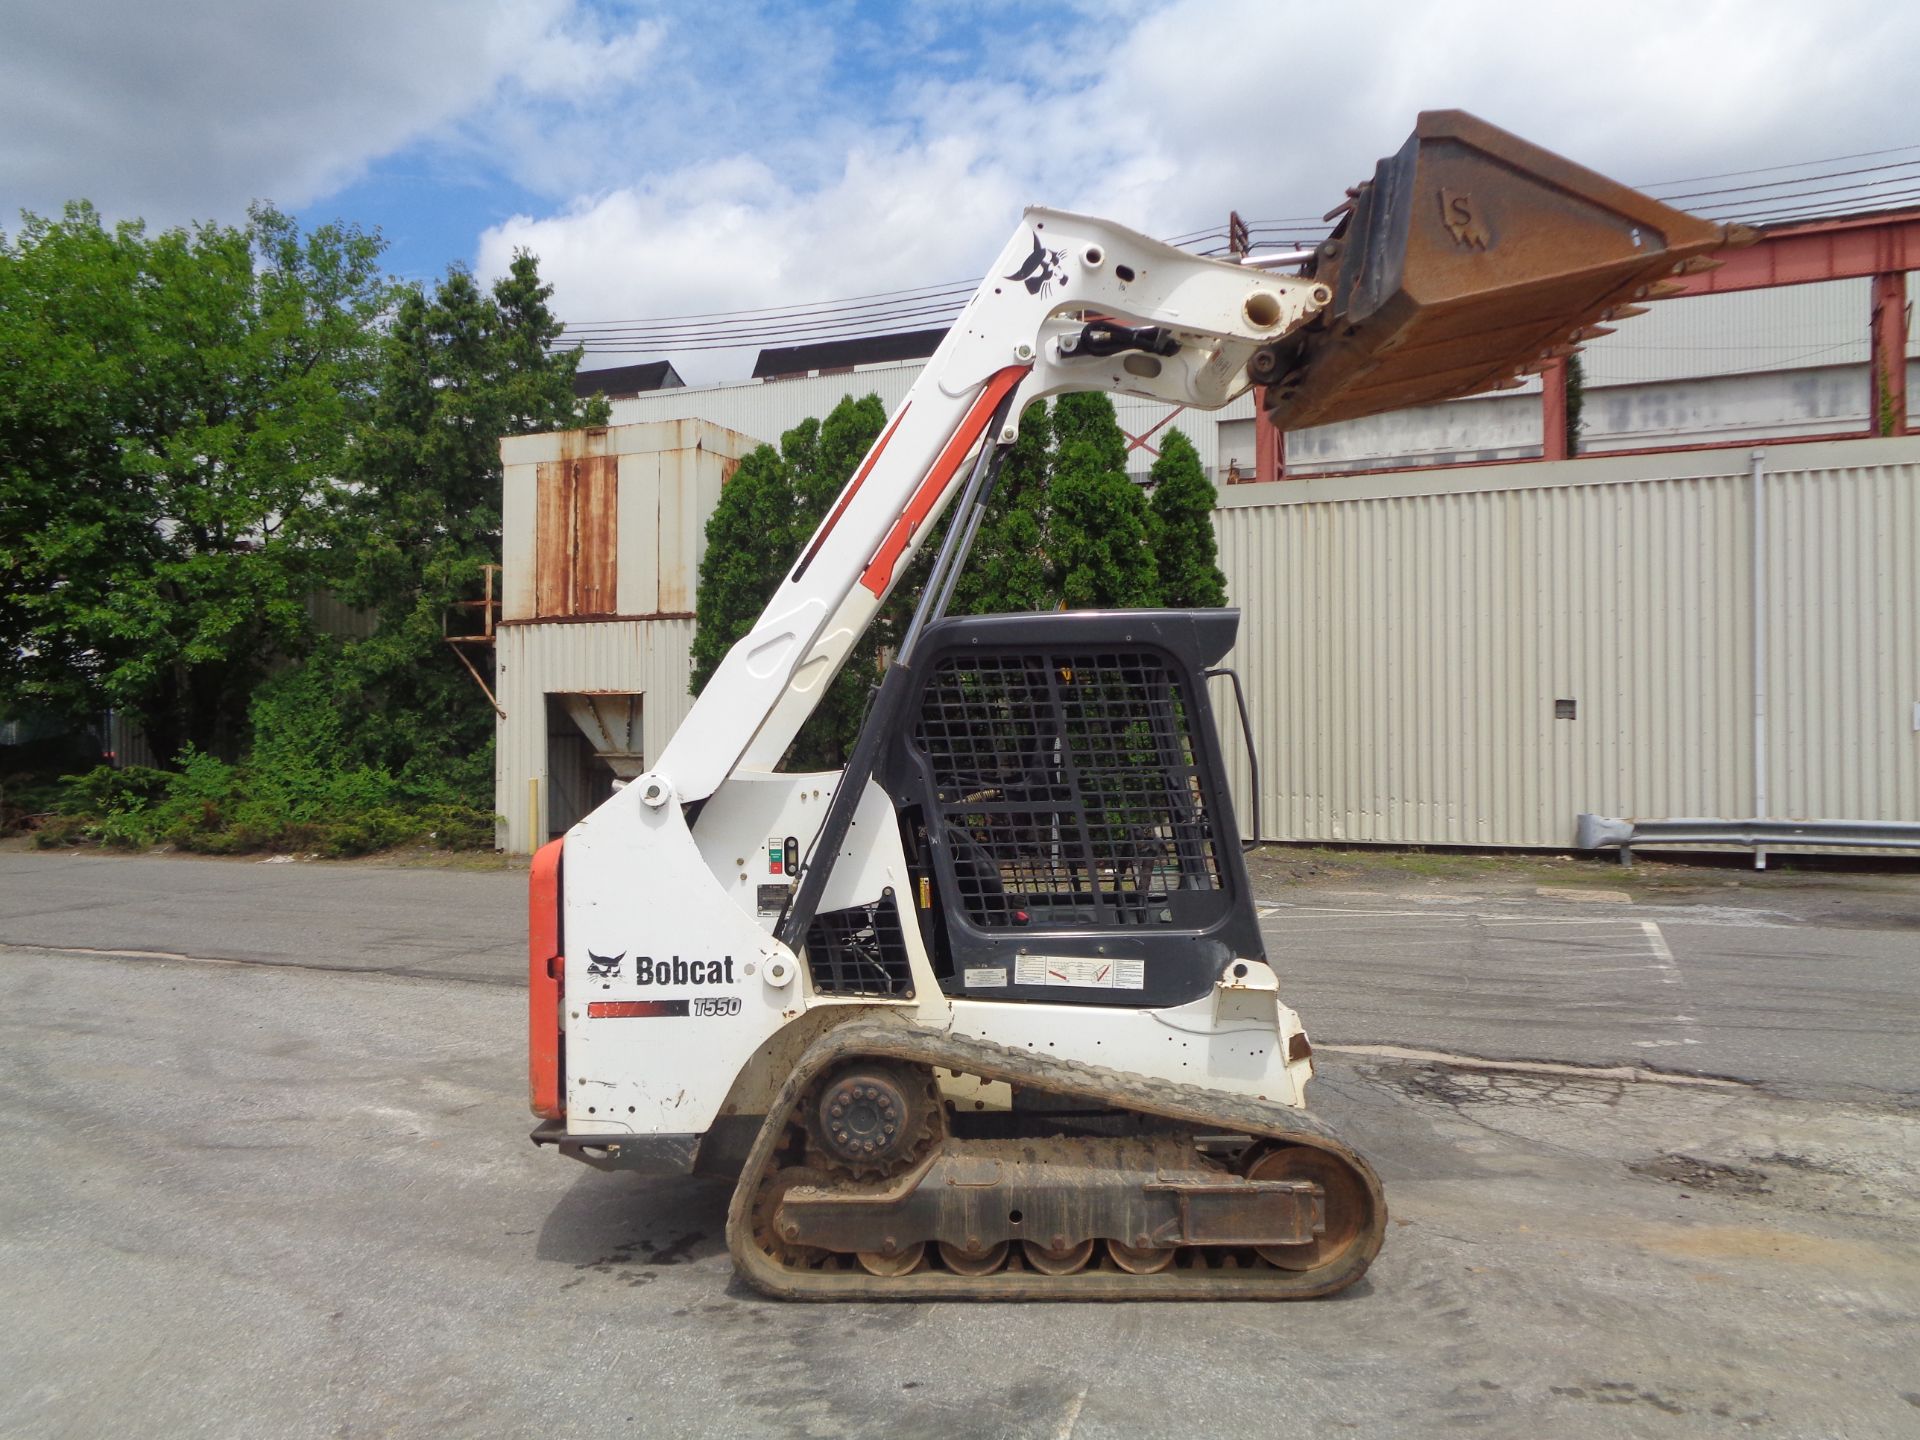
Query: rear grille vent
[859,951]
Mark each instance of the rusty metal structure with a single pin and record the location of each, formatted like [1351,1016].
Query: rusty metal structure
[581,640]
[1472,258]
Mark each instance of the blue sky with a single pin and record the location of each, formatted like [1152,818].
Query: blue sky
[671,159]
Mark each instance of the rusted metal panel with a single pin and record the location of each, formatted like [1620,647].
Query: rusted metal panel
[577,537]
[596,522]
[553,539]
[596,536]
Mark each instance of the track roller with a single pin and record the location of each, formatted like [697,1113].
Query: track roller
[973,1262]
[1068,1260]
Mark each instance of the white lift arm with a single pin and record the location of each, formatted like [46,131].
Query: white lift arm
[1074,303]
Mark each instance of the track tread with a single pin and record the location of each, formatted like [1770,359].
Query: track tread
[903,1039]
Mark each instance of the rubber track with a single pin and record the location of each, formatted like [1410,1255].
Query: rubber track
[1209,1110]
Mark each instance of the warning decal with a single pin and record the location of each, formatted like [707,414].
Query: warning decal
[1080,974]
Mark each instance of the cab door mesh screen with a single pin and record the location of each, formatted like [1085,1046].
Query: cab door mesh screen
[1067,788]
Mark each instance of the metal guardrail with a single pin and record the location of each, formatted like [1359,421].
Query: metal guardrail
[1598,832]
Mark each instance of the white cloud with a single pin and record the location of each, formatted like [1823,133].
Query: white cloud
[178,112]
[695,159]
[1168,116]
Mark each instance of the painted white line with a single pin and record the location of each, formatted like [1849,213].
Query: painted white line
[1657,943]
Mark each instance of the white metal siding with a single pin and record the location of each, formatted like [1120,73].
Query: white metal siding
[1404,640]
[1742,332]
[644,657]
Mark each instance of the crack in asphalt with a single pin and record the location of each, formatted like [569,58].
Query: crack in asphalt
[390,972]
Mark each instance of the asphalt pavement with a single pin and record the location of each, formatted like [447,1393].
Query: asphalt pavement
[1815,991]
[282,1188]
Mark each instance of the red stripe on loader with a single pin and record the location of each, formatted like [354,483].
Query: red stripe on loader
[879,571]
[544,984]
[852,490]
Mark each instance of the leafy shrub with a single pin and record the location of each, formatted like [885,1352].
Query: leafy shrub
[214,808]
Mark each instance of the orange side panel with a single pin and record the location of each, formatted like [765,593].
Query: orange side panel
[544,985]
[879,572]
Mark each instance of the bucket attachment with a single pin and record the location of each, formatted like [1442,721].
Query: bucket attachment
[1470,259]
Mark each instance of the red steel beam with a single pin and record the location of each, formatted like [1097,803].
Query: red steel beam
[1889,351]
[1803,254]
[1269,444]
[1553,410]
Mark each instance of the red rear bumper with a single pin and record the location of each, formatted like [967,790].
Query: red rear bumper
[544,985]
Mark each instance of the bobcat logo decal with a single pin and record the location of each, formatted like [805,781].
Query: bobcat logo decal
[604,967]
[1041,270]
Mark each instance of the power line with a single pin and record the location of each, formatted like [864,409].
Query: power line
[893,312]
[934,304]
[1866,204]
[1911,171]
[1769,169]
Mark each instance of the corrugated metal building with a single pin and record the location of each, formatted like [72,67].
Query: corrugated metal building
[1475,656]
[602,534]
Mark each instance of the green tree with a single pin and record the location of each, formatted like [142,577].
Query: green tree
[767,513]
[1097,536]
[749,544]
[1007,571]
[175,409]
[1184,544]
[460,367]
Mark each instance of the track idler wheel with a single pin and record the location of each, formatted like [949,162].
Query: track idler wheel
[767,1236]
[1139,1259]
[1048,1260]
[1348,1209]
[973,1262]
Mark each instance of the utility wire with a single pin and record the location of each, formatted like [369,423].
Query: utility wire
[1769,169]
[893,312]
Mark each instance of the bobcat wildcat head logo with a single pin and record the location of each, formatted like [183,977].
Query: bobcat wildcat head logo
[604,967]
[1041,270]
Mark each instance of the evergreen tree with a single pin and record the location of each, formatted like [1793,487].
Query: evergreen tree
[768,511]
[1097,537]
[461,367]
[1184,544]
[749,546]
[1007,571]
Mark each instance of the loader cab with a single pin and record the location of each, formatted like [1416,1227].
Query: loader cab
[1063,801]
